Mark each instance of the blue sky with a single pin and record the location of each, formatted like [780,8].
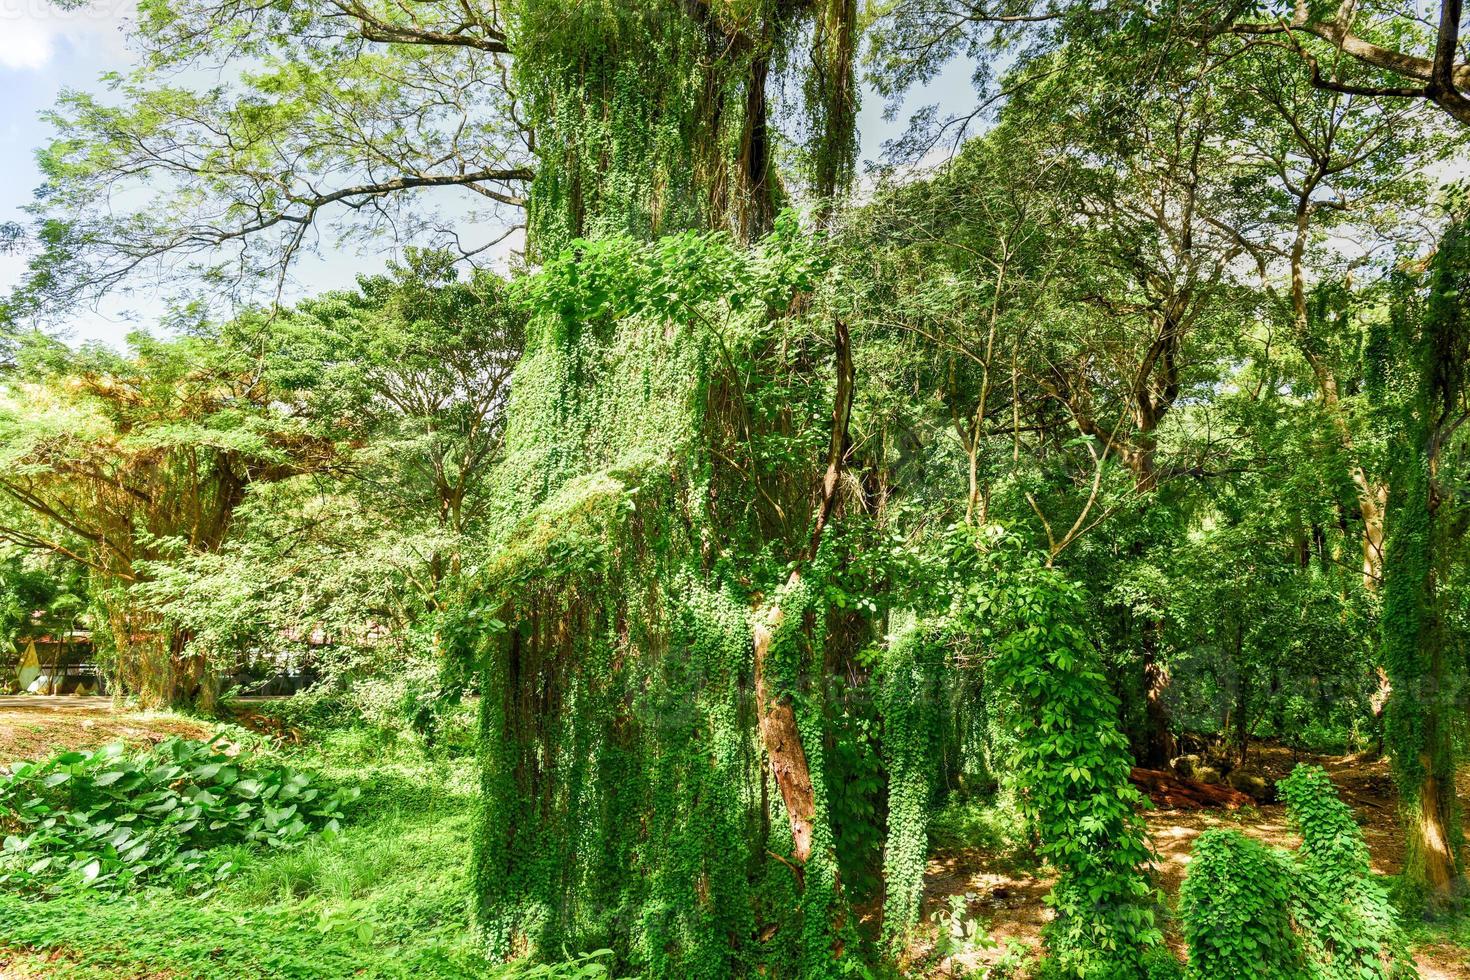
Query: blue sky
[44,49]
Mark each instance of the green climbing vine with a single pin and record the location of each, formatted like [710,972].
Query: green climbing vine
[1070,764]
[1342,911]
[906,679]
[624,801]
[650,117]
[1420,386]
[1235,909]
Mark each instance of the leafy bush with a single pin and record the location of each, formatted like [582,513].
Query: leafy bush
[1070,763]
[1343,912]
[403,694]
[1250,911]
[1234,905]
[108,818]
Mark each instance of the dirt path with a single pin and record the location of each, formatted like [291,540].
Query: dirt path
[34,726]
[1009,901]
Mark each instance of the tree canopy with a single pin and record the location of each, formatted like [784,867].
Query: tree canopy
[768,507]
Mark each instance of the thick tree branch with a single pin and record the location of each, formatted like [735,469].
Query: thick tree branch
[779,732]
[1444,79]
[469,34]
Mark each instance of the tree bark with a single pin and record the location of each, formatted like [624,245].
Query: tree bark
[782,738]
[780,735]
[1159,742]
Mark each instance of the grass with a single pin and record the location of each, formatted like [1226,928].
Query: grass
[982,823]
[388,898]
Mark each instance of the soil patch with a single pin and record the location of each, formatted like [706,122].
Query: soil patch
[18,964]
[37,726]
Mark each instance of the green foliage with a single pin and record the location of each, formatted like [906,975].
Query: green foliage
[908,687]
[991,825]
[38,598]
[1320,913]
[1071,763]
[386,899]
[119,462]
[956,931]
[1348,927]
[1051,334]
[619,104]
[591,966]
[112,820]
[1235,906]
[621,589]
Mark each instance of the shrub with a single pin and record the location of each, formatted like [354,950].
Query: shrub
[1319,914]
[109,818]
[1234,906]
[1344,914]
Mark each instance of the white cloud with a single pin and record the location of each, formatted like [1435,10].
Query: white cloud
[26,45]
[32,30]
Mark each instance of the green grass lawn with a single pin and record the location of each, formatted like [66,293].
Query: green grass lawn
[389,897]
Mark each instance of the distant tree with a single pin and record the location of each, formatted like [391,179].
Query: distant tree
[421,361]
[113,460]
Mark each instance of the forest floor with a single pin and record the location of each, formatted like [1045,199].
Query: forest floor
[34,726]
[391,897]
[1007,896]
[386,900]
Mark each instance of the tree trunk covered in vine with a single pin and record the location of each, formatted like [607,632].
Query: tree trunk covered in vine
[1424,679]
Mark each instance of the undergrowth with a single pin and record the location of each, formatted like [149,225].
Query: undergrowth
[111,818]
[387,897]
[983,823]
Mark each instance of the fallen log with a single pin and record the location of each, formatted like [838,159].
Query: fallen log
[1176,793]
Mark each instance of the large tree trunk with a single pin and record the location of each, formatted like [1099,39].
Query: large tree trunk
[779,733]
[1431,859]
[754,206]
[1159,742]
[1420,743]
[1372,506]
[781,737]
[1422,703]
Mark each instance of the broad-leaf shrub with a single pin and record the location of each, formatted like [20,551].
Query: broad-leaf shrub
[1070,763]
[1319,913]
[1342,911]
[1234,906]
[110,818]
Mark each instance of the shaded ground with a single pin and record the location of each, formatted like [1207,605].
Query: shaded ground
[1008,899]
[33,726]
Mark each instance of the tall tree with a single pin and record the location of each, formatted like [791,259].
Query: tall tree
[1433,346]
[351,119]
[1329,161]
[115,460]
